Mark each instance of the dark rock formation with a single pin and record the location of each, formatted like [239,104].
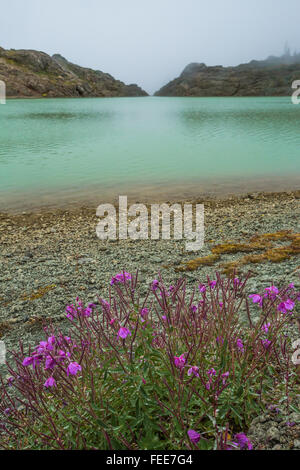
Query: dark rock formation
[29,73]
[272,77]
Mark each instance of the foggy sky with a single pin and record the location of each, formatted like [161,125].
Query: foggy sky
[149,42]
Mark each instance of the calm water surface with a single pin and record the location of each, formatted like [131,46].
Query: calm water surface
[65,149]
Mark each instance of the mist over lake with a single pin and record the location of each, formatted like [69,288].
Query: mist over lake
[63,147]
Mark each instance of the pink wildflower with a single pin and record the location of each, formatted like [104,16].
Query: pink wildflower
[50,382]
[271,291]
[144,313]
[243,441]
[202,288]
[179,361]
[266,327]
[266,343]
[286,306]
[73,368]
[193,371]
[256,299]
[123,333]
[121,277]
[240,345]
[194,436]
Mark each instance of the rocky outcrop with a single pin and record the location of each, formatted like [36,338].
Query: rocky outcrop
[29,73]
[272,77]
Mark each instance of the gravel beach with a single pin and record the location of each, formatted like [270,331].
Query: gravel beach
[50,257]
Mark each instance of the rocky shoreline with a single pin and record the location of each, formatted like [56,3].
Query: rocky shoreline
[48,258]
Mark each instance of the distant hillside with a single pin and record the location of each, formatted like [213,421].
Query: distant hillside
[29,73]
[270,77]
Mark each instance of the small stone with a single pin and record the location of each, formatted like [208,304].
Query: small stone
[297,444]
[273,434]
[86,261]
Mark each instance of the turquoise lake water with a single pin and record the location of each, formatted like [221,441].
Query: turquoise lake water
[67,149]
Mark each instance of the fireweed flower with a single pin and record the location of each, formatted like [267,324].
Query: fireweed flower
[212,284]
[273,408]
[194,436]
[211,373]
[194,308]
[266,327]
[290,424]
[243,441]
[112,321]
[266,343]
[73,368]
[123,333]
[50,382]
[27,361]
[87,312]
[202,288]
[50,363]
[121,277]
[193,371]
[240,345]
[144,313]
[271,291]
[34,360]
[291,285]
[286,306]
[256,299]
[155,285]
[45,346]
[10,381]
[71,312]
[51,340]
[62,355]
[179,361]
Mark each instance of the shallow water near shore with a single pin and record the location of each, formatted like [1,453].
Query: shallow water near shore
[62,151]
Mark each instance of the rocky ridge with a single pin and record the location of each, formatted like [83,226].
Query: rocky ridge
[271,77]
[34,74]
